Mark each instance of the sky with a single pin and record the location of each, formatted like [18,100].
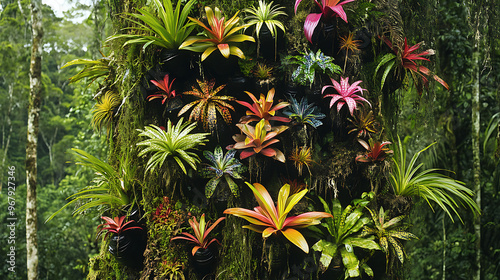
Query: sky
[60,6]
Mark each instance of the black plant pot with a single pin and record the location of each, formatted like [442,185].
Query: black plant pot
[269,44]
[221,68]
[128,247]
[175,62]
[204,261]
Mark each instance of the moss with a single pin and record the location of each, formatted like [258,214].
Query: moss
[105,267]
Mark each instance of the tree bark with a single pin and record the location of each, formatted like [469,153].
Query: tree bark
[31,146]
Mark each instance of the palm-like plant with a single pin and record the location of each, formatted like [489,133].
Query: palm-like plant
[113,187]
[329,9]
[301,157]
[170,28]
[363,123]
[309,64]
[404,59]
[263,109]
[165,87]
[176,142]
[346,94]
[201,233]
[376,151]
[92,69]
[104,111]
[207,105]
[269,219]
[304,113]
[265,14]
[406,180]
[388,233]
[348,44]
[218,37]
[256,140]
[343,233]
[226,166]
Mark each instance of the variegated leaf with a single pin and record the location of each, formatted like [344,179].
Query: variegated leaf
[402,235]
[232,186]
[351,263]
[397,248]
[210,186]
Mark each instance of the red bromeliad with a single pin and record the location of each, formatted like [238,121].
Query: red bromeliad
[200,233]
[346,94]
[329,9]
[116,225]
[269,219]
[165,87]
[408,60]
[263,109]
[376,151]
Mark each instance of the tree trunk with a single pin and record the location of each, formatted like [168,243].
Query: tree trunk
[477,16]
[31,146]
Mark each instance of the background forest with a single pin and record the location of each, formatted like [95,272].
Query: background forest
[444,249]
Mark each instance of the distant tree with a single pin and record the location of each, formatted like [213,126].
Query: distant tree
[32,140]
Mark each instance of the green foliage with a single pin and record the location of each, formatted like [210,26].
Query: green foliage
[342,234]
[428,184]
[114,187]
[388,233]
[169,27]
[176,142]
[105,111]
[304,113]
[222,166]
[309,64]
[92,69]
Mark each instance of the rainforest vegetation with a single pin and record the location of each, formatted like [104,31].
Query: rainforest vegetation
[245,139]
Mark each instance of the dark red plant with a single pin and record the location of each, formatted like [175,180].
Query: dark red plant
[115,225]
[376,151]
[165,87]
[408,61]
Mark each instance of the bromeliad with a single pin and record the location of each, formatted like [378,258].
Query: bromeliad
[263,109]
[376,151]
[218,36]
[255,140]
[346,94]
[201,232]
[269,219]
[165,89]
[329,9]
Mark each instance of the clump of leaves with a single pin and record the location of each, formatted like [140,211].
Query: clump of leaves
[263,72]
[269,219]
[220,35]
[341,234]
[200,238]
[221,165]
[92,69]
[208,104]
[263,109]
[403,60]
[304,113]
[301,156]
[407,180]
[256,140]
[376,151]
[363,123]
[346,94]
[172,270]
[116,225]
[309,64]
[388,232]
[104,111]
[176,142]
[165,89]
